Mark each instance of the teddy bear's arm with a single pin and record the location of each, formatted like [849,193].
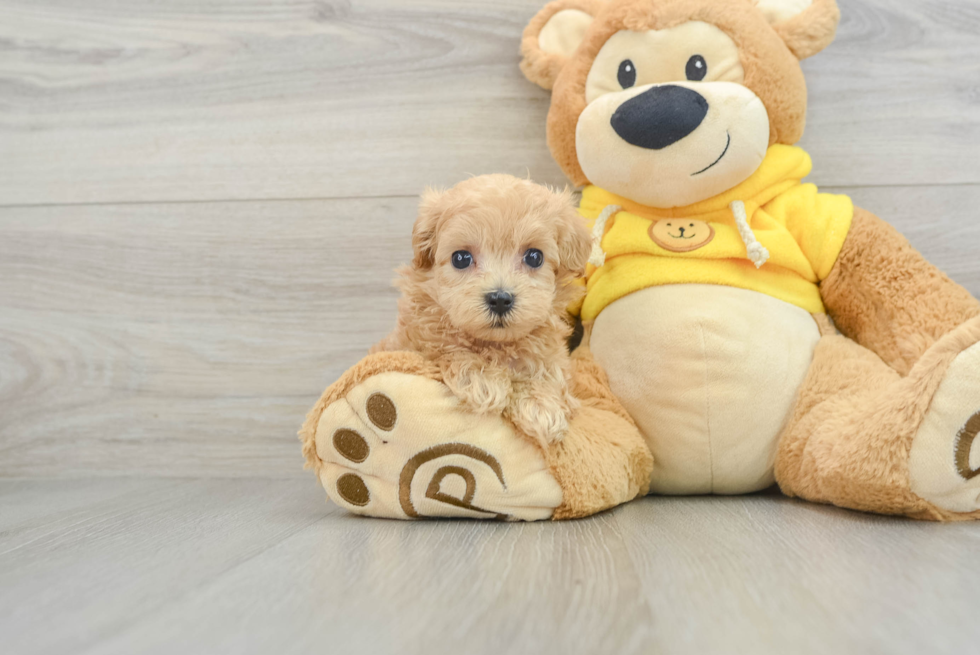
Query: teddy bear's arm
[883,294]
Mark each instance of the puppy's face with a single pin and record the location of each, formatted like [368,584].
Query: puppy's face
[499,253]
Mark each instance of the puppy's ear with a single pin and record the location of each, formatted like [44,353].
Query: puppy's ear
[426,227]
[805,26]
[552,36]
[574,240]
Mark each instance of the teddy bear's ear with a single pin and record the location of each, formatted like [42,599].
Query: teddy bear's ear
[805,26]
[426,226]
[552,36]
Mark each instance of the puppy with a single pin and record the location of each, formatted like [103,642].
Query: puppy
[485,297]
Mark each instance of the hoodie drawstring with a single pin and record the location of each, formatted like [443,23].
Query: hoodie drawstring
[598,257]
[758,254]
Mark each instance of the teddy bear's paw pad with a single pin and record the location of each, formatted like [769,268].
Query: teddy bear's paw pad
[402,446]
[944,462]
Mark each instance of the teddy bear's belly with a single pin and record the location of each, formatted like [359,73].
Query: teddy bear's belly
[709,373]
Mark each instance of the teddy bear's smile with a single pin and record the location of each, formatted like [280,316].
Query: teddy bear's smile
[728,144]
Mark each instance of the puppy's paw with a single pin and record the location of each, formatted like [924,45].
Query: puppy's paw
[544,418]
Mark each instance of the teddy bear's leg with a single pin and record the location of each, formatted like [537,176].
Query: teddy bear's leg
[863,436]
[604,460]
[883,294]
[388,439]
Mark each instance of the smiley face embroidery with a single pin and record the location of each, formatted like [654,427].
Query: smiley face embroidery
[681,234]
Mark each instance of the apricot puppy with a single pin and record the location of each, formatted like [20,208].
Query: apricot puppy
[485,297]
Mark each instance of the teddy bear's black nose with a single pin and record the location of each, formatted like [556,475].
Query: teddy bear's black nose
[659,116]
[499,302]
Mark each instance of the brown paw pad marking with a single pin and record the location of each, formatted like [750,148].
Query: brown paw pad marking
[434,488]
[964,444]
[351,445]
[382,411]
[352,489]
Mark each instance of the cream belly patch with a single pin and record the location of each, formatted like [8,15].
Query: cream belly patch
[710,374]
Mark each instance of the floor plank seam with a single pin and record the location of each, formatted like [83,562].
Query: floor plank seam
[205,201]
[397,196]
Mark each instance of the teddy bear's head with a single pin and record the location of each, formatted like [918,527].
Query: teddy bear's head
[669,102]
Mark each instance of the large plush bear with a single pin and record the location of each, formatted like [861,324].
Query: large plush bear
[716,289]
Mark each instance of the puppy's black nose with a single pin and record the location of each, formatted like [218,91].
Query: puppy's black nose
[659,116]
[499,302]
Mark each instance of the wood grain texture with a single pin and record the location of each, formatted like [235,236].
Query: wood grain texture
[190,339]
[201,202]
[259,566]
[146,338]
[761,575]
[244,99]
[80,560]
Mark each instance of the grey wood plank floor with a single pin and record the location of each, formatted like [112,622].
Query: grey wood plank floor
[201,202]
[259,566]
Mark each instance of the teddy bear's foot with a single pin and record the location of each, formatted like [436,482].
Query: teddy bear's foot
[944,461]
[400,445]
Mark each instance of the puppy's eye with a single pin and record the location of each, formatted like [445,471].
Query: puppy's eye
[697,68]
[627,74]
[533,258]
[462,259]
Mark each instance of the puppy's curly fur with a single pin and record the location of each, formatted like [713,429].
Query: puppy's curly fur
[517,363]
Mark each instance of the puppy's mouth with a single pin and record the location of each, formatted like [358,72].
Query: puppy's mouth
[497,327]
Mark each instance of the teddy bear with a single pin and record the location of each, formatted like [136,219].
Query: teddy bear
[741,328]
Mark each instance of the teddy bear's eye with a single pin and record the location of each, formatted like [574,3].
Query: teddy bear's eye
[627,74]
[462,259]
[534,258]
[697,68]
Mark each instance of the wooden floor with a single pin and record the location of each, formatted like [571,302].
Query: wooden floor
[201,202]
[265,566]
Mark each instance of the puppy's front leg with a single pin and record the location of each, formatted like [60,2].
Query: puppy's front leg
[542,409]
[483,388]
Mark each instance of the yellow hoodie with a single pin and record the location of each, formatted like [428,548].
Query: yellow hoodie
[802,230]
